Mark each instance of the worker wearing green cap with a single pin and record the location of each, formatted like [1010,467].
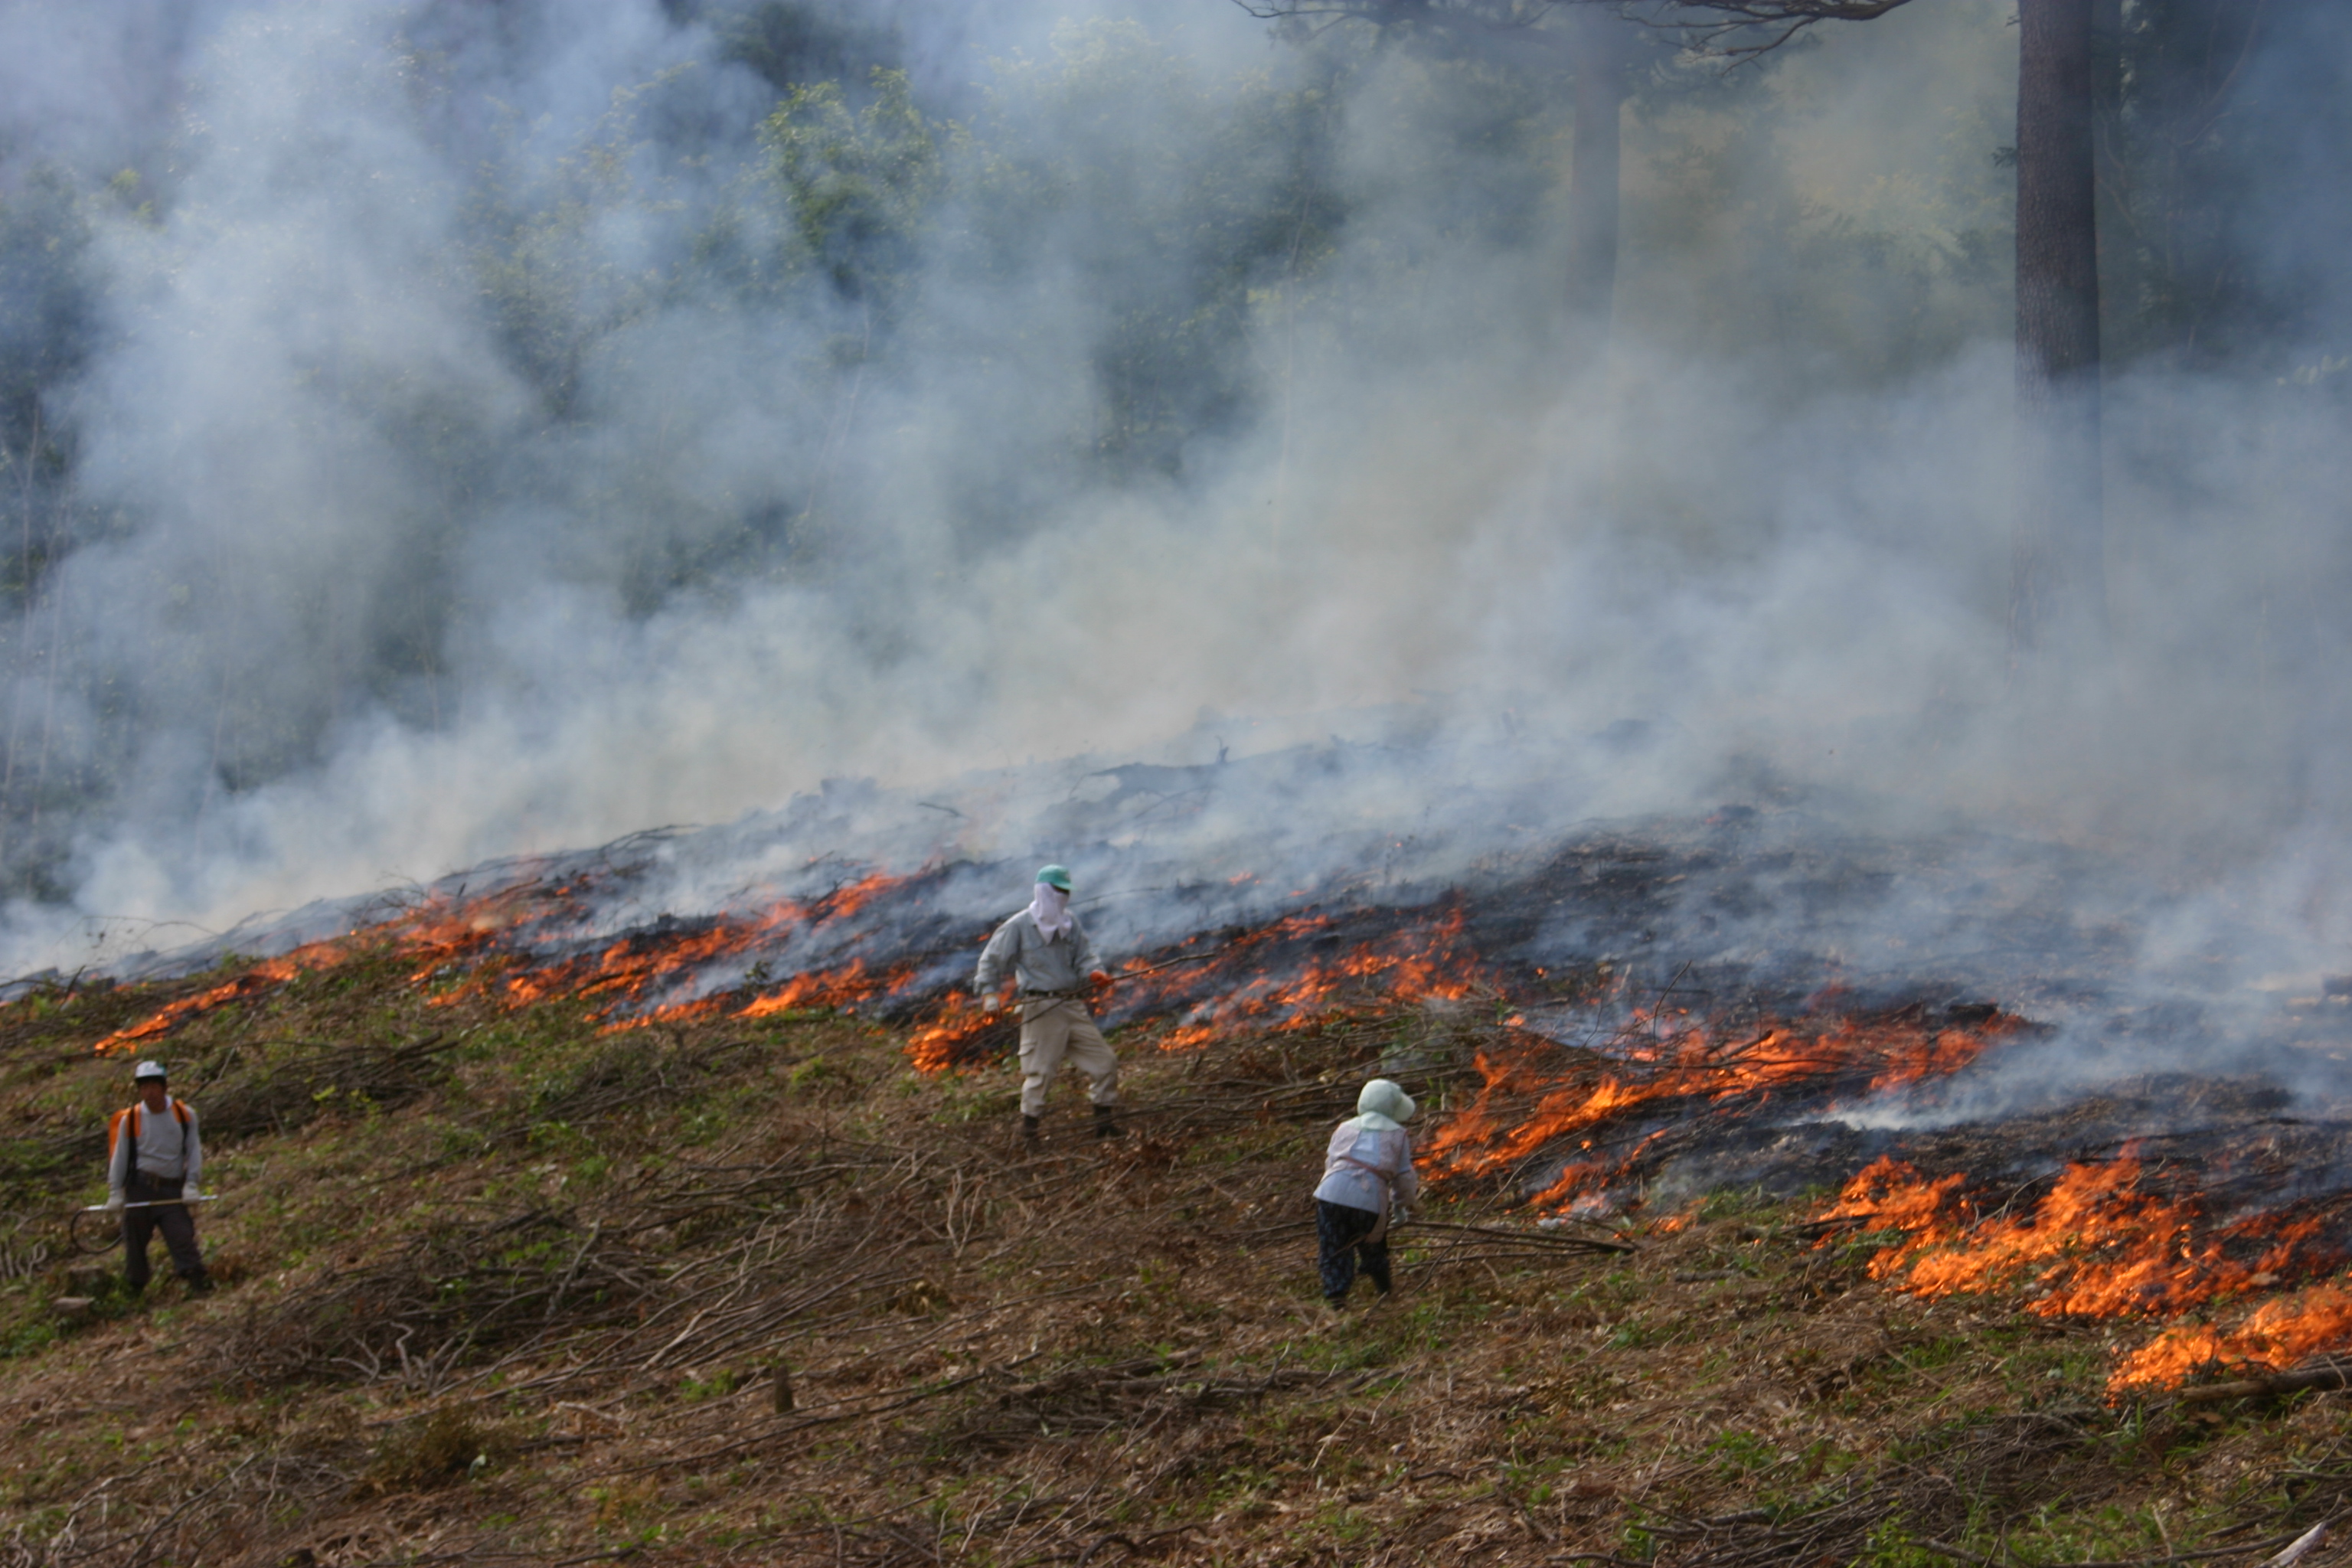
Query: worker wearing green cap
[1045,951]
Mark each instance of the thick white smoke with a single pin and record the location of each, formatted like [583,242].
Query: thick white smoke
[1772,527]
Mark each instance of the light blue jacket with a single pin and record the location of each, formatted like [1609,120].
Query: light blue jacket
[1366,1167]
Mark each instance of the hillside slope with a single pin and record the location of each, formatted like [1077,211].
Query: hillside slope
[501,1285]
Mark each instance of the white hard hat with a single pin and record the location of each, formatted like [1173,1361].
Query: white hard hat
[148,1070]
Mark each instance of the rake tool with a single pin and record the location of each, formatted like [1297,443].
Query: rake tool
[111,1236]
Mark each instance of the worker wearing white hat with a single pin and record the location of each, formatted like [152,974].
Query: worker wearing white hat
[153,1157]
[1368,1180]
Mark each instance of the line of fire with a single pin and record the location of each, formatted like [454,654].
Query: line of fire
[1593,1091]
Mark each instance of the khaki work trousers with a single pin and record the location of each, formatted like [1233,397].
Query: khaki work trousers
[1052,1029]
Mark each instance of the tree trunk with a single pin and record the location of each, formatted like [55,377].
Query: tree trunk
[1592,284]
[2107,142]
[2058,587]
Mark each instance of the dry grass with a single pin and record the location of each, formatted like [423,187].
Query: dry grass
[505,1289]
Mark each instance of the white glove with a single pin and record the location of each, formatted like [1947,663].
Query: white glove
[114,1198]
[188,1192]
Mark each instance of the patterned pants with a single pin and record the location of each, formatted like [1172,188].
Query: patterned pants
[1339,1233]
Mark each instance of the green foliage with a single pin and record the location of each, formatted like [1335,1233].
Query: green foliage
[858,184]
[452,1444]
[48,299]
[817,1078]
[1893,1546]
[1631,1334]
[2174,135]
[789,42]
[1738,1454]
[1176,252]
[556,294]
[694,1390]
[28,1336]
[1170,198]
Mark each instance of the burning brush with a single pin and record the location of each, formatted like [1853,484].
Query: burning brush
[1599,1112]
[2100,1244]
[1584,1100]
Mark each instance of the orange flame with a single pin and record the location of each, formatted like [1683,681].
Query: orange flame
[2095,1244]
[433,931]
[2098,1245]
[638,962]
[2271,1337]
[948,1040]
[1251,981]
[261,978]
[844,987]
[1529,1098]
[838,988]
[626,971]
[1249,989]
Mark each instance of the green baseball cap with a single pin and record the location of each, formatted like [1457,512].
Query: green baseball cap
[1056,877]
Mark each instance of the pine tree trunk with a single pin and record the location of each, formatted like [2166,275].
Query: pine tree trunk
[2058,587]
[1592,283]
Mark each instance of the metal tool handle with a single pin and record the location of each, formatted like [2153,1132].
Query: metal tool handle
[153,1204]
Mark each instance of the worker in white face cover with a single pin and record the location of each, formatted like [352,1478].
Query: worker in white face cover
[1368,1180]
[1044,949]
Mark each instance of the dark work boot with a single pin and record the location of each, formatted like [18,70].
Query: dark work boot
[200,1283]
[1107,1122]
[1028,1131]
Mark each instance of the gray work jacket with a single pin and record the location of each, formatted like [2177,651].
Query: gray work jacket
[1062,964]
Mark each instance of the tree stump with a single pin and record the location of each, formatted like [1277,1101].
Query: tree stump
[783,1389]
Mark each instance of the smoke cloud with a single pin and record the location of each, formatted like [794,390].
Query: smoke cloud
[479,444]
